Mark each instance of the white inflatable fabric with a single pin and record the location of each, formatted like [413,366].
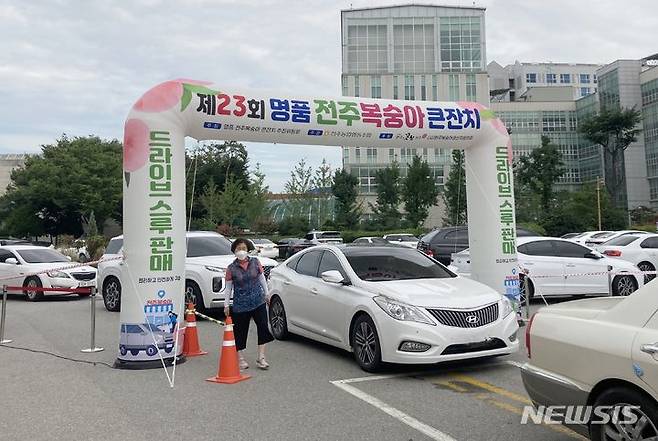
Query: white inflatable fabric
[154,220]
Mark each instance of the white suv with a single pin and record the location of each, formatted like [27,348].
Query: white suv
[324,237]
[208,256]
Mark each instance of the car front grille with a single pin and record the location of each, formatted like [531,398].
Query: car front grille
[266,271]
[83,276]
[487,345]
[466,319]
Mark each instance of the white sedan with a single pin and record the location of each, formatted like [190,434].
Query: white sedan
[388,304]
[407,240]
[208,256]
[639,249]
[598,352]
[559,267]
[36,267]
[601,238]
[266,248]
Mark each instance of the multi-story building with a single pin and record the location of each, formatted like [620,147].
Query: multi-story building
[513,81]
[649,92]
[415,52]
[9,162]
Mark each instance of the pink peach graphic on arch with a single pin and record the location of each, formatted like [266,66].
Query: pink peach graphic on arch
[164,96]
[135,144]
[496,123]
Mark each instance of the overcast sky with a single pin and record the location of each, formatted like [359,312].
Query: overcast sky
[76,67]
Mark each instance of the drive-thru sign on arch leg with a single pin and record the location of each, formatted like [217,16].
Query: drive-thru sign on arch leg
[153,269]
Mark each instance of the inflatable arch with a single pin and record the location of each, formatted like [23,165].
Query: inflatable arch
[153,269]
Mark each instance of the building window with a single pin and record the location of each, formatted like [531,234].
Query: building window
[409,93]
[551,78]
[565,78]
[391,155]
[584,91]
[396,94]
[367,48]
[471,92]
[584,78]
[407,155]
[425,155]
[346,154]
[435,88]
[344,85]
[594,78]
[413,47]
[423,88]
[357,89]
[531,78]
[461,44]
[371,155]
[376,86]
[357,154]
[453,87]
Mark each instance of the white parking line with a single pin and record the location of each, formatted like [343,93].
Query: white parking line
[410,421]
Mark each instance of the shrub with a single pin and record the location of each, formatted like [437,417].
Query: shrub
[96,246]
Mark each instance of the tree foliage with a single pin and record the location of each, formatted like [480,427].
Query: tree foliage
[387,214]
[454,193]
[419,192]
[322,181]
[344,189]
[614,130]
[54,192]
[540,170]
[298,187]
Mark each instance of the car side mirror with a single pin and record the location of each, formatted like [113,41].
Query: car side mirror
[332,276]
[593,255]
[12,261]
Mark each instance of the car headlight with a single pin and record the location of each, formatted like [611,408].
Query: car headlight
[215,269]
[58,274]
[402,311]
[507,308]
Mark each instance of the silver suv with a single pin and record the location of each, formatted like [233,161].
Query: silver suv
[136,337]
[324,237]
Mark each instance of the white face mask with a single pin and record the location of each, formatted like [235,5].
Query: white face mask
[241,254]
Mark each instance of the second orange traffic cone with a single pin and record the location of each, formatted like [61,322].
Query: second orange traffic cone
[229,368]
[191,347]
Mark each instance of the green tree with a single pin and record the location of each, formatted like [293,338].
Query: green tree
[344,189]
[322,181]
[217,162]
[388,197]
[419,192]
[298,189]
[614,130]
[69,180]
[223,207]
[256,198]
[540,170]
[454,192]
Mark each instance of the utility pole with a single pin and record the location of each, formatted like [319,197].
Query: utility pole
[598,199]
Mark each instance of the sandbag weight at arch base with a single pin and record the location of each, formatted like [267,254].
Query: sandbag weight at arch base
[154,178]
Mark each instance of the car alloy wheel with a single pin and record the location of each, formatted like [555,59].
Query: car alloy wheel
[33,295]
[112,294]
[646,266]
[278,319]
[366,344]
[642,430]
[624,286]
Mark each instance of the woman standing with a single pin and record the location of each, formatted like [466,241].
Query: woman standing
[245,278]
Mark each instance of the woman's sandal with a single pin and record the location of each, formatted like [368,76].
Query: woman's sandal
[243,364]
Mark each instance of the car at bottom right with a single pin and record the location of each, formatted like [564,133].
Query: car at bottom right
[600,355]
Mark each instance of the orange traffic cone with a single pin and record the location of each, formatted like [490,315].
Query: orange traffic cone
[191,346]
[229,369]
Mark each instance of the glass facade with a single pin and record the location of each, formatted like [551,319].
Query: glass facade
[357,86]
[409,92]
[650,125]
[461,44]
[609,90]
[413,47]
[453,87]
[590,157]
[376,86]
[366,49]
[471,91]
[435,88]
[527,128]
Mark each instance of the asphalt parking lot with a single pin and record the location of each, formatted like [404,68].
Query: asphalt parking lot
[311,392]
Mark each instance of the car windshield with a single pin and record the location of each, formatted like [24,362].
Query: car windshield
[152,327]
[379,264]
[208,246]
[621,241]
[602,235]
[42,255]
[114,246]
